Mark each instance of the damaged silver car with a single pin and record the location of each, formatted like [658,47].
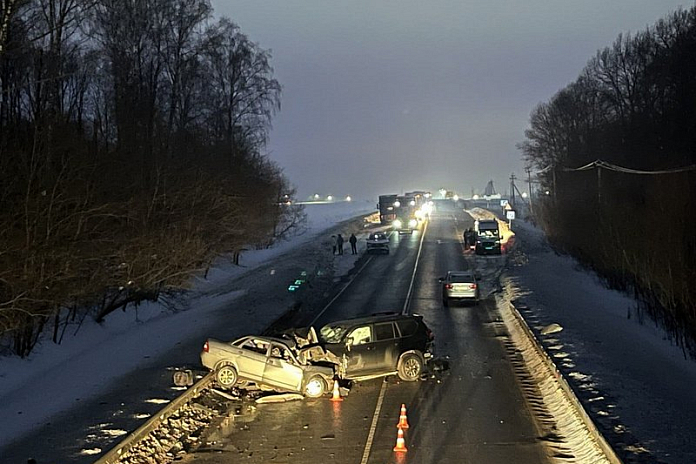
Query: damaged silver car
[268,362]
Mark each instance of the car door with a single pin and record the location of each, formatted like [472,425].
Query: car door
[386,346]
[282,369]
[251,361]
[366,355]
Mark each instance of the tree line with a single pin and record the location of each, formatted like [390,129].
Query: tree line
[131,135]
[630,217]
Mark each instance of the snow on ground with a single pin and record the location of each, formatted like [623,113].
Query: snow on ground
[58,372]
[636,385]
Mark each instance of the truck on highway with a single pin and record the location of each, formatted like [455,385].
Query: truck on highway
[406,220]
[487,237]
[387,213]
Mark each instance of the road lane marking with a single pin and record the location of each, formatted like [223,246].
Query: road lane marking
[415,268]
[341,292]
[373,426]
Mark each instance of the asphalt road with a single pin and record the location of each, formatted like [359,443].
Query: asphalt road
[471,413]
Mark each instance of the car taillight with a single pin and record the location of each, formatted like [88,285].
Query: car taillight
[206,347]
[448,286]
[472,286]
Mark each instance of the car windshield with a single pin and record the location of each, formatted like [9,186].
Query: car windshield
[461,278]
[332,333]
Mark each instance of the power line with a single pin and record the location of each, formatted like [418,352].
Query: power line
[600,164]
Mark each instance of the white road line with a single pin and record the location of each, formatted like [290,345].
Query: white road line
[415,268]
[373,426]
[341,292]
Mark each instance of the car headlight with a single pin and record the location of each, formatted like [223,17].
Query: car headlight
[412,223]
[397,224]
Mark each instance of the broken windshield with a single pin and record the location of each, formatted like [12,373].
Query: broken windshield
[332,333]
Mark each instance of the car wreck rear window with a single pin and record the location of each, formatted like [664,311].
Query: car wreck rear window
[407,327]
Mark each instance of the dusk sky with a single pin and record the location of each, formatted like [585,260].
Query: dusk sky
[390,96]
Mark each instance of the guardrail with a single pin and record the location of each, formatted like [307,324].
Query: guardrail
[113,455]
[568,393]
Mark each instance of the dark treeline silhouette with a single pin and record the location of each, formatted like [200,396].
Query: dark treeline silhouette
[130,140]
[633,105]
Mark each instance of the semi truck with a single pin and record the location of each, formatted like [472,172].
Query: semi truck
[406,220]
[387,213]
[487,237]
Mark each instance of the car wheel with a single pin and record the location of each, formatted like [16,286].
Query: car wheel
[316,387]
[226,376]
[410,367]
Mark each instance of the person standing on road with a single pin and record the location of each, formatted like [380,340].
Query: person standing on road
[339,243]
[353,244]
[334,243]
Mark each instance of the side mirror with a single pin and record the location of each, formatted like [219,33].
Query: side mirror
[349,343]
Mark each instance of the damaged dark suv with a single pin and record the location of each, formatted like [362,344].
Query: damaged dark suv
[379,345]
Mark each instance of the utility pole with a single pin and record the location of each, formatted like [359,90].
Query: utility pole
[529,183]
[512,188]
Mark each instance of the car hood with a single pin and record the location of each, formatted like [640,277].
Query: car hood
[308,348]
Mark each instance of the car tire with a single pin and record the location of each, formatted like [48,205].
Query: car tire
[226,376]
[410,367]
[315,387]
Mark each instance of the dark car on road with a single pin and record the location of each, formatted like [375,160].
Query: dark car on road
[379,345]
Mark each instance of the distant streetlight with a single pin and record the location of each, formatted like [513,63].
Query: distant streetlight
[348,198]
[330,198]
[316,196]
[524,194]
[455,198]
[475,197]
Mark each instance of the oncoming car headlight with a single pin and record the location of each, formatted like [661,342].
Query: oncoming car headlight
[412,223]
[397,223]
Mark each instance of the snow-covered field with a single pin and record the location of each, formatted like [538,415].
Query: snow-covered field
[54,377]
[635,383]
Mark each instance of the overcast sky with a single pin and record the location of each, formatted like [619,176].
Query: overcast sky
[390,96]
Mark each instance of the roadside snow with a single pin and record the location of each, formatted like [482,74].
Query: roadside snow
[636,384]
[53,376]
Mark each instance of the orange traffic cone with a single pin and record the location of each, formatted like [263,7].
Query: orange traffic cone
[403,421]
[400,442]
[336,392]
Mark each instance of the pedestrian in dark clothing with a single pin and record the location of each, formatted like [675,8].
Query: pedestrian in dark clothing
[353,244]
[334,243]
[339,243]
[467,237]
[470,238]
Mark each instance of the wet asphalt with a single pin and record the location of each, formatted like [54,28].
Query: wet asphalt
[473,412]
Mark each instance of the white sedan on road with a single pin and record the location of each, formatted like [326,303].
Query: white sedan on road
[378,241]
[270,363]
[459,285]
